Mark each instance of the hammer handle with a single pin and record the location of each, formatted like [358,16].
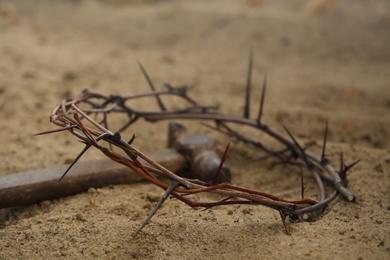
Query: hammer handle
[26,188]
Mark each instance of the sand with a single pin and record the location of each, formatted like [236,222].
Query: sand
[324,60]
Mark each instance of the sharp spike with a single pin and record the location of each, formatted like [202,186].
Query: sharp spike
[131,139]
[220,167]
[174,184]
[341,162]
[302,150]
[56,130]
[348,167]
[262,101]
[323,155]
[283,217]
[87,146]
[345,168]
[302,186]
[248,86]
[159,102]
[292,137]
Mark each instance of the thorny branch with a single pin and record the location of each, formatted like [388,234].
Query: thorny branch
[74,115]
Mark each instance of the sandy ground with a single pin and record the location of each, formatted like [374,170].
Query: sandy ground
[322,62]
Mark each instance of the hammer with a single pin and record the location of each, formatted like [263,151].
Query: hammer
[189,155]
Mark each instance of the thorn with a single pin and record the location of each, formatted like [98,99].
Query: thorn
[302,186]
[283,217]
[348,167]
[174,184]
[302,150]
[87,146]
[56,130]
[345,168]
[159,102]
[220,167]
[248,86]
[341,163]
[323,156]
[131,140]
[342,173]
[262,101]
[293,138]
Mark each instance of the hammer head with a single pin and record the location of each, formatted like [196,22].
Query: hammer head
[200,152]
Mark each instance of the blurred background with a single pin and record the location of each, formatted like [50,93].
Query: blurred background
[324,60]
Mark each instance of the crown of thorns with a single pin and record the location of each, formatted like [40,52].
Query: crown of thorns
[79,117]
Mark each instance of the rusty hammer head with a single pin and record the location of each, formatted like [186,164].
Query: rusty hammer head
[200,152]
